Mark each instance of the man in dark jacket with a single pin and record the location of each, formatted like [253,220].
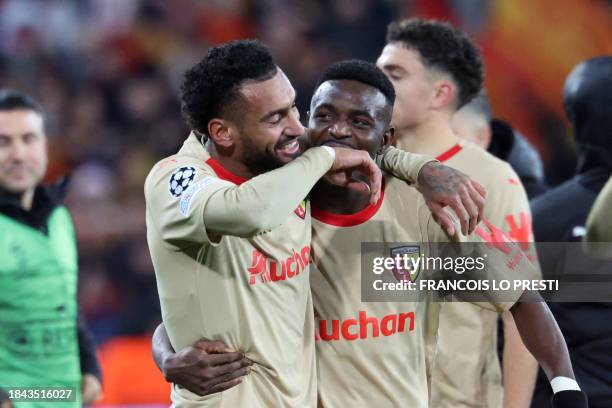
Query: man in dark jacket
[560,216]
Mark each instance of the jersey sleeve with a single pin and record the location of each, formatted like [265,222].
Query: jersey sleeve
[599,224]
[509,210]
[205,208]
[504,260]
[403,165]
[176,193]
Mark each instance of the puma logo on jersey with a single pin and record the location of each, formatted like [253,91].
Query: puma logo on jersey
[268,270]
[495,237]
[363,327]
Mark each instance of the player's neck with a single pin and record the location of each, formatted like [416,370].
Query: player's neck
[431,138]
[338,200]
[230,163]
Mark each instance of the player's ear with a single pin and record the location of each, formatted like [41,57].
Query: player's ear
[220,132]
[386,139]
[444,93]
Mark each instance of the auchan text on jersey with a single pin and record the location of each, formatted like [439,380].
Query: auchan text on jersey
[269,269]
[364,327]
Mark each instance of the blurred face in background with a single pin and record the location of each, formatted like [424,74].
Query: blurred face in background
[413,83]
[23,150]
[267,124]
[472,127]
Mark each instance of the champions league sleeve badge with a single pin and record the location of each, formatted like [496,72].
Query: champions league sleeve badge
[180,180]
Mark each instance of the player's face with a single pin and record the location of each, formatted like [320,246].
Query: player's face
[270,126]
[349,114]
[23,150]
[413,86]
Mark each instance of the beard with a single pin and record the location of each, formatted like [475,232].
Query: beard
[258,161]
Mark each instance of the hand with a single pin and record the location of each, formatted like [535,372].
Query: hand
[348,161]
[91,389]
[441,186]
[206,367]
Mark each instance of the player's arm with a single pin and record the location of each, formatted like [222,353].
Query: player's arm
[204,368]
[266,200]
[440,185]
[535,323]
[543,338]
[598,239]
[210,207]
[519,367]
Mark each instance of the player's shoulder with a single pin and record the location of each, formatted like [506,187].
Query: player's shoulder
[486,159]
[179,166]
[498,172]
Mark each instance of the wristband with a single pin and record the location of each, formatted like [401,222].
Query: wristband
[559,384]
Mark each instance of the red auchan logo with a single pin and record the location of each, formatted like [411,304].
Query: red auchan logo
[520,233]
[269,270]
[363,327]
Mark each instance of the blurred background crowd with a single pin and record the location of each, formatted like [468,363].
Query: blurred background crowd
[108,71]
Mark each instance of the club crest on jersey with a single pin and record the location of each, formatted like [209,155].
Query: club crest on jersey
[180,180]
[300,211]
[409,255]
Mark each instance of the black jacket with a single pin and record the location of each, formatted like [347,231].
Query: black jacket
[560,216]
[512,147]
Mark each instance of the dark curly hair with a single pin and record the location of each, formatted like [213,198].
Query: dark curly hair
[443,47]
[213,83]
[360,71]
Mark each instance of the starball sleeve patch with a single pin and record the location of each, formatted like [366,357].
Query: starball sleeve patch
[180,180]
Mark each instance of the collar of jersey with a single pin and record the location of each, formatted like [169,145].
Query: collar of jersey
[348,220]
[449,153]
[223,173]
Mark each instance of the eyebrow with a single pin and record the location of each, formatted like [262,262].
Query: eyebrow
[352,112]
[393,67]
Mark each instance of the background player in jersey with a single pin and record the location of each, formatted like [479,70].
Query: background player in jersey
[227,224]
[358,365]
[435,70]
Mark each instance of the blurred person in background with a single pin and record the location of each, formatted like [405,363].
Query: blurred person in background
[436,69]
[560,216]
[473,122]
[43,342]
